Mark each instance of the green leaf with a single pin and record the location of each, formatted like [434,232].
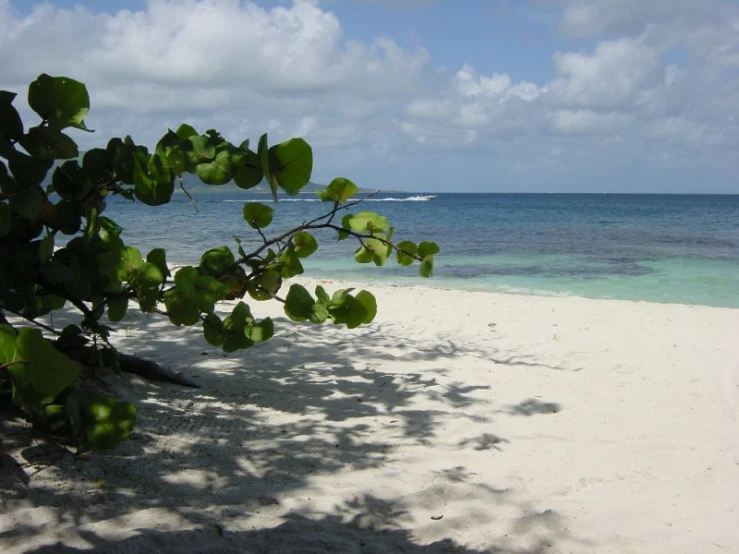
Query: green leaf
[292,163]
[373,250]
[339,190]
[235,329]
[367,299]
[406,253]
[199,149]
[145,281]
[366,222]
[45,370]
[27,170]
[299,303]
[262,331]
[265,285]
[290,265]
[117,307]
[257,215]
[217,171]
[148,188]
[181,308]
[217,261]
[428,249]
[130,260]
[109,422]
[7,343]
[305,244]
[263,155]
[213,330]
[5,223]
[11,125]
[62,101]
[28,202]
[44,142]
[427,266]
[185,131]
[351,312]
[247,172]
[322,296]
[158,257]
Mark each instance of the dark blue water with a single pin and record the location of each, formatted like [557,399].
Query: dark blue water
[662,248]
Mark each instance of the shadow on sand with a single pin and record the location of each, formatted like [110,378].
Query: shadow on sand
[227,462]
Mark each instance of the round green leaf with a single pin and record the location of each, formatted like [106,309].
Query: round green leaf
[109,422]
[406,252]
[217,171]
[62,101]
[117,307]
[44,142]
[217,261]
[428,249]
[292,163]
[257,215]
[367,299]
[339,190]
[305,244]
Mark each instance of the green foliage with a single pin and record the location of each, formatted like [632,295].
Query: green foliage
[98,275]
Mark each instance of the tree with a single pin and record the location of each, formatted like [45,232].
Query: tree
[98,276]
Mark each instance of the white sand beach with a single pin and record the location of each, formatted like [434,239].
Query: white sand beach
[457,422]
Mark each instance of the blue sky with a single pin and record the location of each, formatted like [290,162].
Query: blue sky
[422,95]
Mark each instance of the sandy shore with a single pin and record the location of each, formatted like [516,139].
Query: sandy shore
[457,422]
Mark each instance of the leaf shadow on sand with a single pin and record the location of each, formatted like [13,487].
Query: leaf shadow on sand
[229,467]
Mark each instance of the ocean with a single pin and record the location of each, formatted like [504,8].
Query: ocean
[656,248]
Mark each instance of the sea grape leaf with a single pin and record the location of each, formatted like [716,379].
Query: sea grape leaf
[292,163]
[406,252]
[339,190]
[213,330]
[299,303]
[185,131]
[265,285]
[45,370]
[217,261]
[117,307]
[305,244]
[247,172]
[257,215]
[368,300]
[263,156]
[44,142]
[11,124]
[366,221]
[372,250]
[262,331]
[428,249]
[62,101]
[427,266]
[7,343]
[217,171]
[351,312]
[109,422]
[158,257]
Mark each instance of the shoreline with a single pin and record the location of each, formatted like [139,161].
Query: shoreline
[457,422]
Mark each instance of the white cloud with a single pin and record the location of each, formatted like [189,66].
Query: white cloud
[181,58]
[587,121]
[652,76]
[596,18]
[618,72]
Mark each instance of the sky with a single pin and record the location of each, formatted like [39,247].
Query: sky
[418,95]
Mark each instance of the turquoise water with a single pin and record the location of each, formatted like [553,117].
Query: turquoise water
[657,248]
